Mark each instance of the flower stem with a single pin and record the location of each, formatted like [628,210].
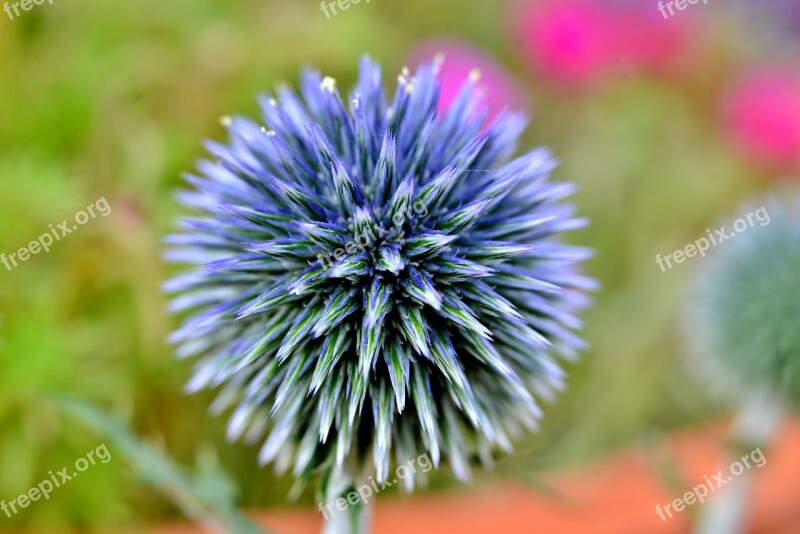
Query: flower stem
[355,518]
[755,426]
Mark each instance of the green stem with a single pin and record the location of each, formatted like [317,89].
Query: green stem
[355,518]
[755,426]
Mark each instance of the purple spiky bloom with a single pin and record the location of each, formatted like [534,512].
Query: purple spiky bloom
[373,277]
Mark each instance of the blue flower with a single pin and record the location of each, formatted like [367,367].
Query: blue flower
[373,278]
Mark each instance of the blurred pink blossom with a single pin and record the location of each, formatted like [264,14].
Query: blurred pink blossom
[761,111]
[645,41]
[497,87]
[583,41]
[568,40]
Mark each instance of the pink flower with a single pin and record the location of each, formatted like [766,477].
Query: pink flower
[762,114]
[582,41]
[498,89]
[569,40]
[644,40]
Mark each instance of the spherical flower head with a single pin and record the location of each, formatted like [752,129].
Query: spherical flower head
[373,278]
[744,312]
[762,113]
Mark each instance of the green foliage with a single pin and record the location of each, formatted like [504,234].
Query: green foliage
[208,496]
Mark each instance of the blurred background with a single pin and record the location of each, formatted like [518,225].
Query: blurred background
[667,124]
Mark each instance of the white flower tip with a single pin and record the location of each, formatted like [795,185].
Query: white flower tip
[328,84]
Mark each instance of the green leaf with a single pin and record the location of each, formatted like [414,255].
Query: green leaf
[207,497]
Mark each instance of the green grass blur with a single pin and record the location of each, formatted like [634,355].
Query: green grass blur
[113,99]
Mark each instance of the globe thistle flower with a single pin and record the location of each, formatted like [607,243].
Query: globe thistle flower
[744,341]
[371,280]
[742,318]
